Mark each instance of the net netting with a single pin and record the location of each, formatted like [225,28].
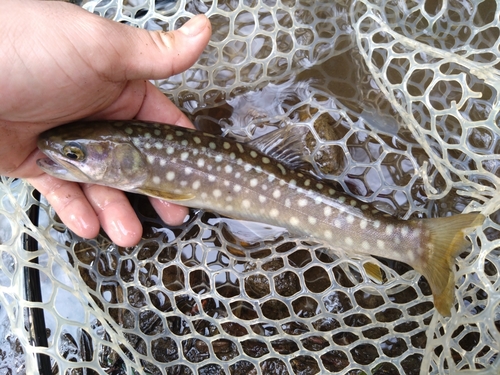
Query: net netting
[402,101]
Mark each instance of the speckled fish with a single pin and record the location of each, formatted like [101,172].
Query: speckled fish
[257,181]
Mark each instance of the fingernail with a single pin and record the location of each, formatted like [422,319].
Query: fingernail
[194,26]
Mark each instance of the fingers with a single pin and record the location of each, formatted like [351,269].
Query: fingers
[85,209]
[70,203]
[142,54]
[117,217]
[170,213]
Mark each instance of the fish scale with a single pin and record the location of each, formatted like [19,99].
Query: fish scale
[263,180]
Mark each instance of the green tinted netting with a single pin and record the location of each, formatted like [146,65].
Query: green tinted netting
[401,98]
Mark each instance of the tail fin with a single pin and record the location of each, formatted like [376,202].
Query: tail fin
[446,242]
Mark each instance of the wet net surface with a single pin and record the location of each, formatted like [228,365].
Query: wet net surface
[403,108]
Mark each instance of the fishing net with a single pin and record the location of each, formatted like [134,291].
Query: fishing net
[401,98]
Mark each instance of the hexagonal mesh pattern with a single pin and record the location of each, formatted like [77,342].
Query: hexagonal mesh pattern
[403,108]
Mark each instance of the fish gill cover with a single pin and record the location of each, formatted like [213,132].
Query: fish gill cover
[402,104]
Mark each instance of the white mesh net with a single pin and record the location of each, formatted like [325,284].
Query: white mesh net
[401,98]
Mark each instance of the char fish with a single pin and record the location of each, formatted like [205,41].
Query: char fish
[262,180]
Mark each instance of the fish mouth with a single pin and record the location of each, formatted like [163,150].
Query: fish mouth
[50,166]
[56,169]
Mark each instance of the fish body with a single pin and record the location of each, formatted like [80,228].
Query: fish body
[257,181]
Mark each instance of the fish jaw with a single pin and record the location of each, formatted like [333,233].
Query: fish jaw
[61,170]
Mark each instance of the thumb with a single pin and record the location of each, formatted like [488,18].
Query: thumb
[146,54]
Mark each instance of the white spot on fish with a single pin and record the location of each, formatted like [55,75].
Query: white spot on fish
[288,203]
[389,229]
[363,224]
[348,241]
[212,145]
[226,183]
[240,148]
[197,140]
[271,177]
[226,145]
[254,182]
[128,130]
[218,158]
[211,178]
[264,187]
[353,203]
[229,207]
[147,135]
[248,167]
[276,194]
[184,156]
[158,145]
[342,199]
[157,132]
[404,231]
[318,200]
[327,211]
[253,154]
[179,133]
[319,186]
[381,244]
[365,245]
[156,180]
[302,202]
[376,224]
[200,163]
[188,171]
[228,169]
[196,185]
[217,193]
[337,223]
[229,198]
[184,142]
[170,150]
[349,219]
[262,199]
[147,145]
[307,182]
[364,207]
[266,160]
[163,162]
[169,137]
[204,195]
[246,203]
[294,220]
[184,183]
[170,176]
[331,191]
[328,234]
[312,220]
[151,159]
[232,156]
[274,212]
[281,168]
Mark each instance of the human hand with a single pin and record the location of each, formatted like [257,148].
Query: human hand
[61,63]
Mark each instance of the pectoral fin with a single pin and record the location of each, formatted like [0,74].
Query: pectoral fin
[172,197]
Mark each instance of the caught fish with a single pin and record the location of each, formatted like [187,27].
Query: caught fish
[262,180]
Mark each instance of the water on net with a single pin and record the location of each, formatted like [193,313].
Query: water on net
[402,102]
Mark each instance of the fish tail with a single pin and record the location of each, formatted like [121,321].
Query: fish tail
[446,240]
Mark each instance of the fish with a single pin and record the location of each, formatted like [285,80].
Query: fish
[266,180]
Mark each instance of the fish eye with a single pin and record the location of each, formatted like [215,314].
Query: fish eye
[73,151]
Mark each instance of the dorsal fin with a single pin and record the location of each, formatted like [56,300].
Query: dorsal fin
[286,145]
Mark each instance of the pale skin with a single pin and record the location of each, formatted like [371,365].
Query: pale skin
[61,63]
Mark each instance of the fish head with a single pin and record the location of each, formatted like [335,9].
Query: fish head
[100,153]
